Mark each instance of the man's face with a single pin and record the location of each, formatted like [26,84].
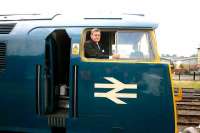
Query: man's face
[96,36]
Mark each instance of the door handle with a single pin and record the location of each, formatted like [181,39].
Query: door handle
[38,89]
[75,92]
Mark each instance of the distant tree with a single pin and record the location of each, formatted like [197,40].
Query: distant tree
[194,55]
[181,66]
[174,55]
[163,55]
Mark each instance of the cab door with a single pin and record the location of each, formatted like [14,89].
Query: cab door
[57,61]
[51,75]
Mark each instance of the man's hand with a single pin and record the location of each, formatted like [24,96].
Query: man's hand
[115,56]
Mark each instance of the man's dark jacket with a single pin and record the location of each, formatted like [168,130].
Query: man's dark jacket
[92,51]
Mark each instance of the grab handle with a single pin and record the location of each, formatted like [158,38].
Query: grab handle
[75,92]
[38,88]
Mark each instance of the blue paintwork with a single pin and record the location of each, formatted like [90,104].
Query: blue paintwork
[152,111]
[17,87]
[18,95]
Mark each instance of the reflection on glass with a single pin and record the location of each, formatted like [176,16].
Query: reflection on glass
[134,45]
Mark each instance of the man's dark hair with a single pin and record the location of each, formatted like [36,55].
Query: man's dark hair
[95,30]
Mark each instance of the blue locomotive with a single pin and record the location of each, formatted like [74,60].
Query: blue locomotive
[48,85]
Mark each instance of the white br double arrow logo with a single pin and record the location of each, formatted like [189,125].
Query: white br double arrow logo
[116,86]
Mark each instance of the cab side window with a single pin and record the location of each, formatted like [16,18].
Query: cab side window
[134,45]
[119,44]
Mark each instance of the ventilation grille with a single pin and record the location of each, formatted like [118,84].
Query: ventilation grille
[6,28]
[2,56]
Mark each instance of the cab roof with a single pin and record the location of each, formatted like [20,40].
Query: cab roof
[88,20]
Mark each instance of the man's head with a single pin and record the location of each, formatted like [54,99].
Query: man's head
[95,35]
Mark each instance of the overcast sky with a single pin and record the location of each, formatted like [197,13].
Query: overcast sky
[179,20]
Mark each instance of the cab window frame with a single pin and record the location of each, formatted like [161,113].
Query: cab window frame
[152,46]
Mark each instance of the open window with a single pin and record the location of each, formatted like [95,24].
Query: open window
[106,42]
[129,44]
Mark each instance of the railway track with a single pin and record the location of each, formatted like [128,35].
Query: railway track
[188,109]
